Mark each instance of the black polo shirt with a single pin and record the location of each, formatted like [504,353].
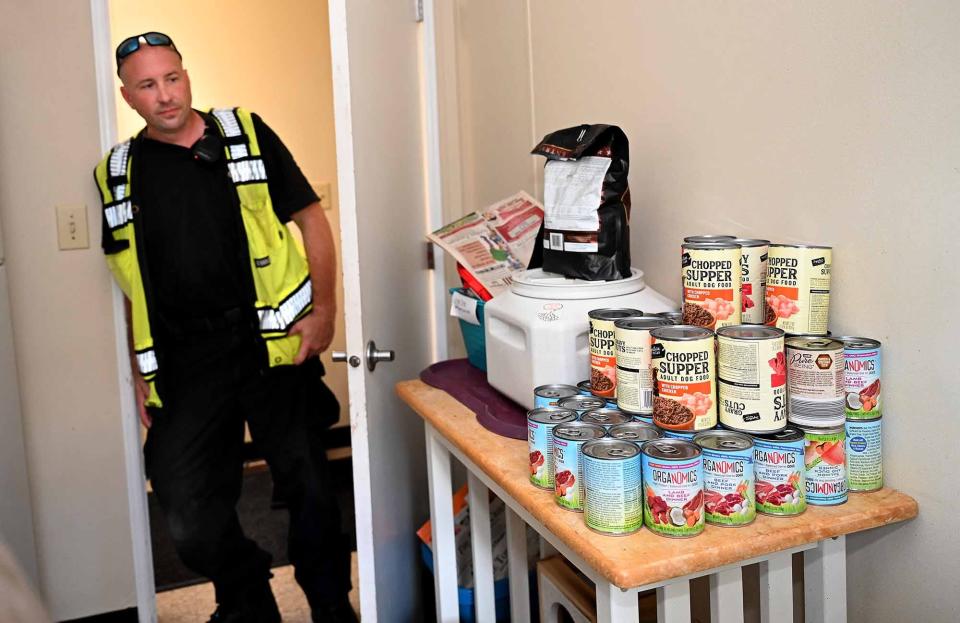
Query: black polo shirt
[192,233]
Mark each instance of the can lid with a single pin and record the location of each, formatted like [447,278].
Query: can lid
[610,449]
[578,431]
[582,403]
[708,238]
[681,333]
[787,435]
[584,385]
[814,343]
[556,390]
[716,245]
[723,441]
[671,449]
[822,430]
[613,313]
[642,323]
[856,343]
[551,415]
[750,332]
[634,431]
[605,416]
[752,242]
[800,246]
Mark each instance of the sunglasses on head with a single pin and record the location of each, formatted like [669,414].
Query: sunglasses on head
[131,44]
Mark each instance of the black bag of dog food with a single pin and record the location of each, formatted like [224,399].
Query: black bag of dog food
[586,198]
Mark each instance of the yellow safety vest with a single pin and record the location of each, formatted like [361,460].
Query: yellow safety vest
[281,275]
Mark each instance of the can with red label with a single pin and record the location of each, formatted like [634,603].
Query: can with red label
[684,362]
[712,280]
[603,350]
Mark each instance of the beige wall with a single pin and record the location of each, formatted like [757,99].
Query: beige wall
[273,58]
[61,309]
[824,122]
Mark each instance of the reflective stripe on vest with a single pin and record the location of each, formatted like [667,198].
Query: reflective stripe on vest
[147,362]
[279,320]
[246,171]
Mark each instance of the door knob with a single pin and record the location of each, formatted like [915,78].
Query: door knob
[375,356]
[341,357]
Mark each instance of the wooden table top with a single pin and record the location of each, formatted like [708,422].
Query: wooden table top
[644,558]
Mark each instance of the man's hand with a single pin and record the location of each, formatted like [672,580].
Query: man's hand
[315,331]
[142,391]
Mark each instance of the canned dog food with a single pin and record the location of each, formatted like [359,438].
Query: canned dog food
[686,435]
[864,455]
[675,317]
[753,269]
[780,475]
[540,424]
[568,439]
[550,395]
[708,238]
[684,371]
[634,432]
[673,487]
[751,378]
[815,381]
[584,387]
[711,284]
[861,378]
[728,491]
[825,461]
[605,417]
[644,418]
[603,350]
[798,288]
[634,365]
[582,404]
[612,487]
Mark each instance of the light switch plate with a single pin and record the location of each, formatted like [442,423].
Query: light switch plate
[323,191]
[72,227]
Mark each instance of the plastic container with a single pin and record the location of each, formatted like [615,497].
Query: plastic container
[501,593]
[538,332]
[473,336]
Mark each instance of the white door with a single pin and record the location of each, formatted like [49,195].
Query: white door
[380,160]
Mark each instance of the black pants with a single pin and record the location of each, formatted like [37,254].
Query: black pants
[194,452]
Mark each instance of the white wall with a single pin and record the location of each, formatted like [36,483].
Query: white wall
[823,122]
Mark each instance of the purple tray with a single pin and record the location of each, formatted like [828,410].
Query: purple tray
[469,385]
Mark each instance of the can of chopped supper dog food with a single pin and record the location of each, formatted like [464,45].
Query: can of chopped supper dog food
[684,364]
[673,487]
[603,350]
[798,288]
[605,417]
[709,238]
[635,432]
[862,364]
[540,424]
[612,483]
[582,404]
[550,395]
[728,489]
[634,363]
[568,439]
[864,455]
[711,284]
[826,465]
[753,268]
[780,474]
[815,381]
[751,378]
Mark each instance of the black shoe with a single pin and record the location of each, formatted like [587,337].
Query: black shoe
[255,605]
[342,612]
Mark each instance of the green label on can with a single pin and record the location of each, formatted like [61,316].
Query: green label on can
[864,455]
[612,491]
[826,468]
[568,474]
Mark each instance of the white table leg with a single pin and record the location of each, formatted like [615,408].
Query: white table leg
[726,596]
[479,504]
[776,589]
[825,581]
[517,563]
[673,603]
[441,523]
[615,605]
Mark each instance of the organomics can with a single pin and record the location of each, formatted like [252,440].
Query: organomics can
[780,473]
[673,487]
[603,349]
[605,417]
[753,268]
[584,387]
[825,461]
[540,424]
[612,502]
[815,381]
[798,288]
[634,363]
[568,439]
[582,404]
[675,317]
[751,378]
[728,490]
[711,284]
[864,455]
[550,395]
[635,432]
[862,364]
[684,363]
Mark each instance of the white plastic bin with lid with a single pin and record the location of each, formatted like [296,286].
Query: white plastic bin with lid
[538,332]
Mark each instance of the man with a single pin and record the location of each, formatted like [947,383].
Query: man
[227,318]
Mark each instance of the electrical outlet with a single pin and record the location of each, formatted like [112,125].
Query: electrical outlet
[323,192]
[72,227]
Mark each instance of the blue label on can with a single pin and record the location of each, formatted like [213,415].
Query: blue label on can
[824,456]
[673,496]
[612,503]
[864,455]
[728,488]
[679,434]
[780,477]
